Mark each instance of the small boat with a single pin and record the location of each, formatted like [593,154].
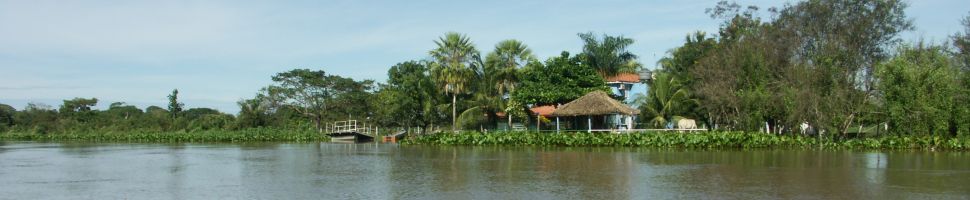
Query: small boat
[394,137]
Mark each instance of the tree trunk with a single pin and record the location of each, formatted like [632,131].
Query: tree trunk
[508,113]
[454,112]
[316,121]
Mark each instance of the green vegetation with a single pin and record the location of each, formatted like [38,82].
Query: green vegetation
[829,64]
[835,67]
[560,80]
[243,135]
[715,139]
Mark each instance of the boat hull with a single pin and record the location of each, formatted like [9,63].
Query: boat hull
[351,137]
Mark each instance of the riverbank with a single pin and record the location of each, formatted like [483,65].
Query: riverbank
[244,135]
[689,140]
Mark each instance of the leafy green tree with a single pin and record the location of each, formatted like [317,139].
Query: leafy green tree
[840,42]
[683,59]
[304,91]
[156,110]
[319,96]
[205,119]
[37,118]
[120,110]
[79,109]
[174,106]
[560,80]
[6,116]
[667,100]
[962,43]
[217,121]
[349,98]
[918,88]
[813,62]
[254,112]
[455,58]
[158,117]
[505,61]
[608,55]
[410,97]
[122,117]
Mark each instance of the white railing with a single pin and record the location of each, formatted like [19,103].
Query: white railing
[353,126]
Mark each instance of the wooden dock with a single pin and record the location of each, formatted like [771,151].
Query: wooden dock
[351,131]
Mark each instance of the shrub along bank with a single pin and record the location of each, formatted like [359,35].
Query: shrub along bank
[243,135]
[689,140]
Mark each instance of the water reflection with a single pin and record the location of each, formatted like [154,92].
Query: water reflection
[504,172]
[370,171]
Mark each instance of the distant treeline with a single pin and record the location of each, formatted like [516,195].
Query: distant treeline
[828,66]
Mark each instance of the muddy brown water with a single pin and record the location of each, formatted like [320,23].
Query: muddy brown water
[31,170]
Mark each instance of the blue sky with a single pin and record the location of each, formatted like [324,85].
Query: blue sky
[218,52]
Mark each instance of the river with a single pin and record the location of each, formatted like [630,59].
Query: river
[30,170]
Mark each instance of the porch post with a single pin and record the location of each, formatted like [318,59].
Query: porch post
[557,124]
[629,123]
[589,120]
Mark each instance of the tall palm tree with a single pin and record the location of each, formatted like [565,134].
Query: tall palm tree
[608,55]
[504,62]
[667,100]
[452,69]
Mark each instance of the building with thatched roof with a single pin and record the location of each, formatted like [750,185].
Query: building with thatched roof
[609,113]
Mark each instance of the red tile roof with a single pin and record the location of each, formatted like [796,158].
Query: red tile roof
[542,110]
[624,77]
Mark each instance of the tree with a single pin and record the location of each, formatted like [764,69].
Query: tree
[349,98]
[608,56]
[839,43]
[813,62]
[304,91]
[455,58]
[254,112]
[410,96]
[918,88]
[38,118]
[216,121]
[667,100]
[196,113]
[79,109]
[505,61]
[962,42]
[683,59]
[120,110]
[319,96]
[560,80]
[174,106]
[6,116]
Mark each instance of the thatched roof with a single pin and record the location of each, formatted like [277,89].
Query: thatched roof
[594,103]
